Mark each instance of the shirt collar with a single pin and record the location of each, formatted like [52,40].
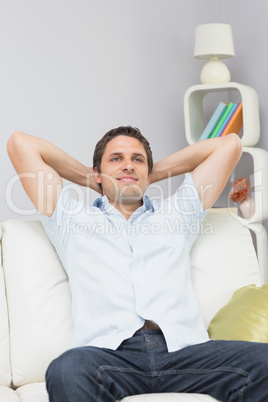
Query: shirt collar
[103,204]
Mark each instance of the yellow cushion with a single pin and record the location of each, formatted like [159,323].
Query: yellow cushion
[244,317]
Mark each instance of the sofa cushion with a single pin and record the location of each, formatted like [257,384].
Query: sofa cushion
[38,298]
[5,373]
[244,317]
[221,263]
[8,395]
[33,393]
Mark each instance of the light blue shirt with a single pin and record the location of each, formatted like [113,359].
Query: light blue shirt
[123,272]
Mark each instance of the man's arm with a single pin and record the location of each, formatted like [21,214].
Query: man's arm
[41,167]
[210,161]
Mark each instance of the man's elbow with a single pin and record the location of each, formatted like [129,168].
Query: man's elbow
[235,145]
[15,142]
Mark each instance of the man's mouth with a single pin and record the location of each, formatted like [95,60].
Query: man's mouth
[127,179]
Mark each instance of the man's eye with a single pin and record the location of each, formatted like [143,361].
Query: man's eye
[115,159]
[138,160]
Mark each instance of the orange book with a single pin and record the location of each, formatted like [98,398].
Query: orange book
[236,122]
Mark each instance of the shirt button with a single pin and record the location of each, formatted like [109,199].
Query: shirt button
[138,259]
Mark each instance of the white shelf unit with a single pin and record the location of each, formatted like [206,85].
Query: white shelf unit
[194,125]
[194,110]
[260,183]
[195,122]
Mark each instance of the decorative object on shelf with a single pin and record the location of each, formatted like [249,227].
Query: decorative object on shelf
[214,42]
[240,195]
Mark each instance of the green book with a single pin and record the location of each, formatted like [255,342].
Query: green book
[220,122]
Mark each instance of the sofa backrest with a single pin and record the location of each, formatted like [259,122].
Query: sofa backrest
[223,259]
[39,301]
[5,372]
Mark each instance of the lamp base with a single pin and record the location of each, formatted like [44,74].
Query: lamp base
[215,72]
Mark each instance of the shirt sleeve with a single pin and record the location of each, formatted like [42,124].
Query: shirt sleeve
[56,226]
[189,207]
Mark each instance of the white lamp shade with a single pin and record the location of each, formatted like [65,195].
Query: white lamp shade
[214,40]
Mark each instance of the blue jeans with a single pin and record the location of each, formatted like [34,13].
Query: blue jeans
[226,370]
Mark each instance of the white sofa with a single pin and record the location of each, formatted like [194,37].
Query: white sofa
[35,301]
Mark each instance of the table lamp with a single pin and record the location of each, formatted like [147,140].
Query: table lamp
[214,42]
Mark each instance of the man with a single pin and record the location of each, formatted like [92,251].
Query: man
[137,325]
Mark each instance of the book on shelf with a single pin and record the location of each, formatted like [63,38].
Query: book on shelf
[222,119]
[235,124]
[226,119]
[213,121]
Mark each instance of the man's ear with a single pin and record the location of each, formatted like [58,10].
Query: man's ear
[97,175]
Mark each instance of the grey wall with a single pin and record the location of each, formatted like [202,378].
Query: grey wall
[72,69]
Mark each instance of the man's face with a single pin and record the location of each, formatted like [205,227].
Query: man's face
[124,171]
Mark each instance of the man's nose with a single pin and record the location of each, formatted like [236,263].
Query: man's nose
[128,166]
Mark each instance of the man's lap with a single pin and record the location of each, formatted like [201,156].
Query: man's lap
[142,364]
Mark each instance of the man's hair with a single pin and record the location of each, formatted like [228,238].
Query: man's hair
[128,131]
